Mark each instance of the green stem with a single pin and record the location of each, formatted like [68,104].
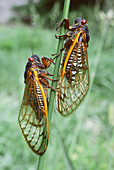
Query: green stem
[55,76]
[58,59]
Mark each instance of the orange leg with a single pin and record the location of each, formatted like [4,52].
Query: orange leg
[66,22]
[66,45]
[43,81]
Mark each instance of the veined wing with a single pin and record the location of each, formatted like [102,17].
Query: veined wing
[33,116]
[74,77]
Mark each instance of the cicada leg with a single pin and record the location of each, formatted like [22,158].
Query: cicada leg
[67,25]
[66,22]
[46,83]
[65,36]
[66,45]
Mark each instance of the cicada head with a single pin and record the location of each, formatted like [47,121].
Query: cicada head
[35,58]
[33,61]
[82,25]
[86,29]
[79,23]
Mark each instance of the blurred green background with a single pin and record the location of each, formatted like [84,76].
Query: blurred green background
[85,140]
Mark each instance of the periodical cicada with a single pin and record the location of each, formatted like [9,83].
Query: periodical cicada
[33,115]
[73,81]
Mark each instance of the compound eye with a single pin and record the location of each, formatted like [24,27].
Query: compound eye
[30,59]
[84,21]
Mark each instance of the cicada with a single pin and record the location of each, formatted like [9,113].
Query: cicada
[73,81]
[33,115]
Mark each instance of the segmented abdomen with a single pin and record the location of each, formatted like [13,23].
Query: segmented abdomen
[36,100]
[76,63]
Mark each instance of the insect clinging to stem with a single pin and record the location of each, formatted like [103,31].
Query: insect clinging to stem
[73,81]
[33,115]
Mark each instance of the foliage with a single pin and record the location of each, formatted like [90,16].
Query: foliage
[87,135]
[48,12]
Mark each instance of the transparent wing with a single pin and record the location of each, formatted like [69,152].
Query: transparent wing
[33,119]
[74,83]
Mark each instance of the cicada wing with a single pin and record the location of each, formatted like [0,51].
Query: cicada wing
[33,120]
[74,83]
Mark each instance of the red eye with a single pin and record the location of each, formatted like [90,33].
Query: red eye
[84,21]
[30,59]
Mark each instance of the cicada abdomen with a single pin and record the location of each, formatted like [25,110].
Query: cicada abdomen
[74,73]
[33,115]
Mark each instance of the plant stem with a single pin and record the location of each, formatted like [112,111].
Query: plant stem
[55,76]
[58,59]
